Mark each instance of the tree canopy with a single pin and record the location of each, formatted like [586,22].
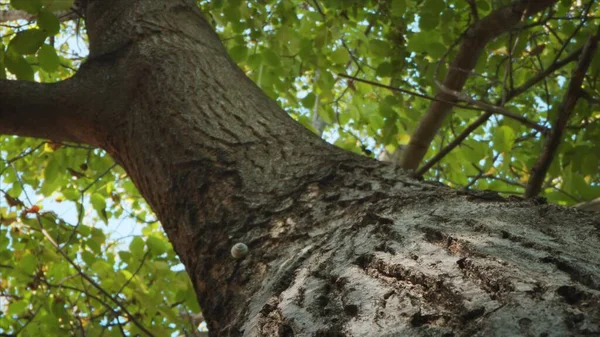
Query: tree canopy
[461,91]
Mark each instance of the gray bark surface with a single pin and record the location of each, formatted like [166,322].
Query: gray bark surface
[340,245]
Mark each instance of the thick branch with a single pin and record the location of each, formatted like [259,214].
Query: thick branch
[593,205]
[32,109]
[56,111]
[480,33]
[538,172]
[14,15]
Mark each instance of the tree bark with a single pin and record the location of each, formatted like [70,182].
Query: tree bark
[339,245]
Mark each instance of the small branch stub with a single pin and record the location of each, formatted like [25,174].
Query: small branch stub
[239,250]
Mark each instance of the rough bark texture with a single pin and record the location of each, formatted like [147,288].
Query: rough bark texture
[339,245]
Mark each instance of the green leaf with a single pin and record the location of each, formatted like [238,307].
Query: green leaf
[94,246]
[309,101]
[325,83]
[254,61]
[125,256]
[57,5]
[30,6]
[504,138]
[58,309]
[340,56]
[88,257]
[156,245]
[239,53]
[521,43]
[389,132]
[51,171]
[15,190]
[398,7]
[386,107]
[27,265]
[17,308]
[98,202]
[19,66]
[419,42]
[71,194]
[380,48]
[326,113]
[473,151]
[84,230]
[98,235]
[136,247]
[384,69]
[429,21]
[27,42]
[436,49]
[271,58]
[48,59]
[48,22]
[483,6]
[434,6]
[102,267]
[48,188]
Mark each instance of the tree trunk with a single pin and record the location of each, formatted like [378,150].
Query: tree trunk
[339,245]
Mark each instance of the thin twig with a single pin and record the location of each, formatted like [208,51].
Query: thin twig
[484,118]
[91,281]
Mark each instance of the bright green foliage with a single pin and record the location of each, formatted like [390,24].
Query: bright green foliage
[85,186]
[48,59]
[294,50]
[48,22]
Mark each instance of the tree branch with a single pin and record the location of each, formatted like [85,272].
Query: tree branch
[473,6]
[14,15]
[588,97]
[477,105]
[92,282]
[483,118]
[538,172]
[593,205]
[77,109]
[491,108]
[45,110]
[476,38]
